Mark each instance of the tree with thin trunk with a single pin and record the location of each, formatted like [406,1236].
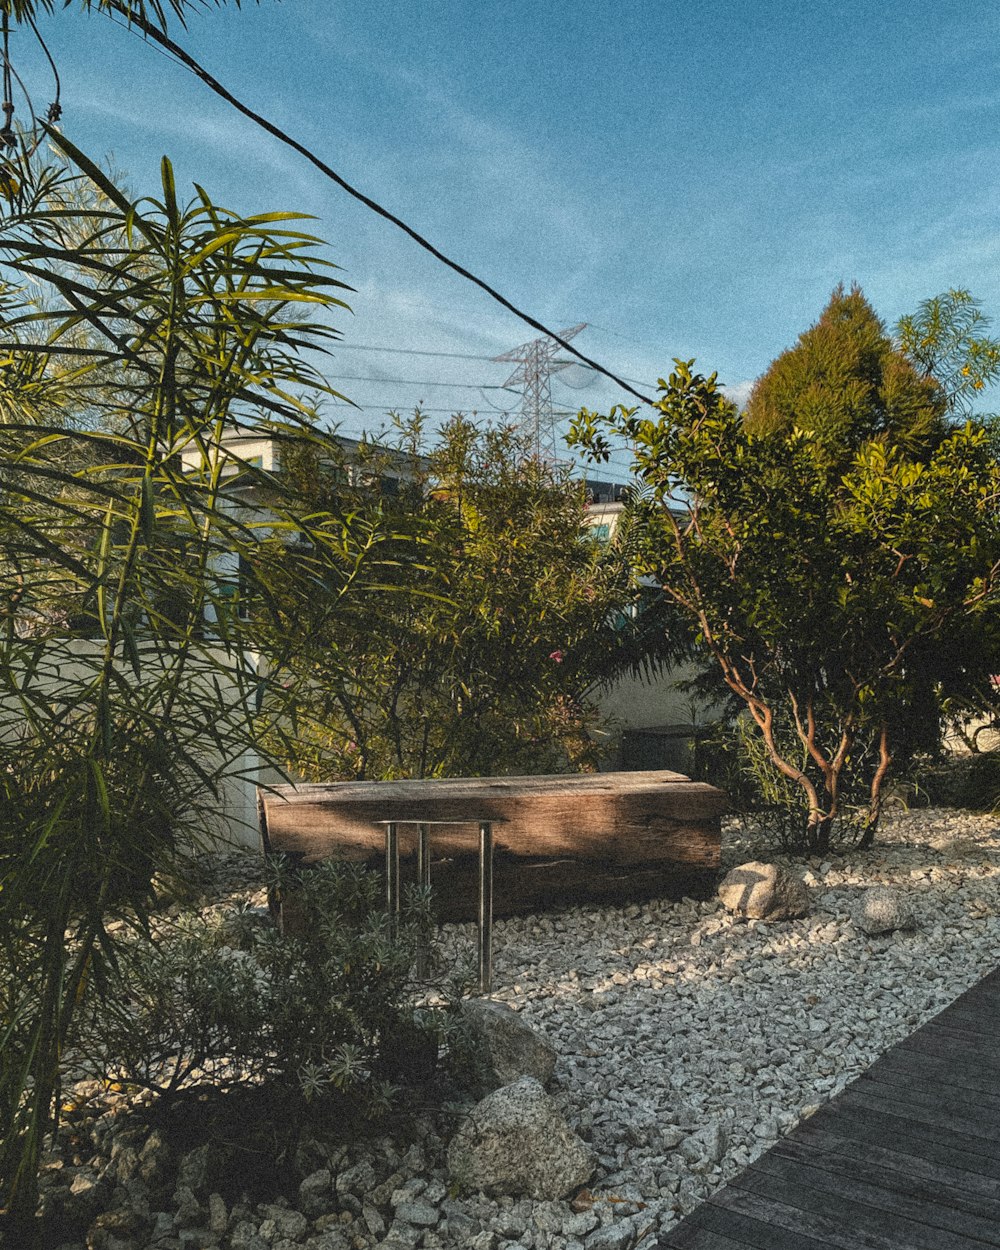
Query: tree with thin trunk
[840,587]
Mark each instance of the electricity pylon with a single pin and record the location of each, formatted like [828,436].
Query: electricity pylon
[536,366]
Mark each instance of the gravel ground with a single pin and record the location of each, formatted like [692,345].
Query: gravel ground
[688,1042]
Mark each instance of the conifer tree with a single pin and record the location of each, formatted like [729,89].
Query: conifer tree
[844,382]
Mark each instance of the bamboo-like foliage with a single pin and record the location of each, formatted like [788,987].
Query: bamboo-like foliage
[157,12]
[135,339]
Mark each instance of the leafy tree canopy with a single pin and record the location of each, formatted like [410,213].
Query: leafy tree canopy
[510,613]
[947,340]
[156,12]
[841,606]
[844,382]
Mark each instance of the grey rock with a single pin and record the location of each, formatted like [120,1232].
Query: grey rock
[197,1239]
[333,1220]
[218,1216]
[423,1214]
[155,1159]
[245,1236]
[611,1236]
[461,1225]
[407,1192]
[402,1234]
[706,1146]
[282,1223]
[516,1142]
[163,1226]
[110,1227]
[193,1170]
[762,891]
[330,1239]
[189,1210]
[580,1224]
[508,1046]
[316,1193]
[86,1185]
[124,1159]
[435,1192]
[882,910]
[359,1179]
[373,1220]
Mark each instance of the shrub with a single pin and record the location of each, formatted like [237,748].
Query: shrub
[965,781]
[226,997]
[734,757]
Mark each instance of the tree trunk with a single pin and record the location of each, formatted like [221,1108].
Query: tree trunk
[818,830]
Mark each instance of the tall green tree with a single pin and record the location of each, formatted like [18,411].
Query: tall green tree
[948,339]
[508,615]
[831,600]
[845,383]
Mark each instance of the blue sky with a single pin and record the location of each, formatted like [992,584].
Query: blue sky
[691,179]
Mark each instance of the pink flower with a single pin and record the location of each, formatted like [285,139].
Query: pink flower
[557,656]
[351,748]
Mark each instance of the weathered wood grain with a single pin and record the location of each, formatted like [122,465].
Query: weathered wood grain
[613,818]
[687,1237]
[934,1207]
[945,1042]
[878,1148]
[896,1179]
[785,1226]
[934,1112]
[907,1157]
[747,1221]
[948,1151]
[967,1082]
[843,1218]
[524,886]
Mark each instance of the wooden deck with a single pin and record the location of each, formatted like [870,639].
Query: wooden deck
[907,1157]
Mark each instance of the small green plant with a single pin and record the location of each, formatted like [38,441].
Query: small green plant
[227,998]
[963,781]
[734,757]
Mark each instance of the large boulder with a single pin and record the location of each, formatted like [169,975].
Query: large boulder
[764,892]
[881,910]
[516,1142]
[506,1047]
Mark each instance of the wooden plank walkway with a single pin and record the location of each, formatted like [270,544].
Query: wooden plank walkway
[907,1157]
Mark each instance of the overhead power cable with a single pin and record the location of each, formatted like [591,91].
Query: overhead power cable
[135,20]
[414,351]
[410,351]
[388,406]
[462,386]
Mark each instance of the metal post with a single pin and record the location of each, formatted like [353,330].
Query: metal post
[485,906]
[423,856]
[423,880]
[392,875]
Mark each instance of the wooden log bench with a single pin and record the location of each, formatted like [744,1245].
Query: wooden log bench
[610,837]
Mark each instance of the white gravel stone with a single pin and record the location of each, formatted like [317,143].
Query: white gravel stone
[757,1024]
